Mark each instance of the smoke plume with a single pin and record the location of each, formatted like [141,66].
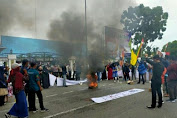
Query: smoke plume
[100,13]
[12,14]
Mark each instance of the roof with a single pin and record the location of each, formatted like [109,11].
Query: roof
[2,48]
[30,45]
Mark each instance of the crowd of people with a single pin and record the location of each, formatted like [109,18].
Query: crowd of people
[28,80]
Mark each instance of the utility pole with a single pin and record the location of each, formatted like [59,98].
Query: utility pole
[86,27]
[35,18]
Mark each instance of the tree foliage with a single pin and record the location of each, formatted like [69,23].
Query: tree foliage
[172,48]
[145,22]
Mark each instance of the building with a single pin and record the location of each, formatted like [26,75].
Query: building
[38,48]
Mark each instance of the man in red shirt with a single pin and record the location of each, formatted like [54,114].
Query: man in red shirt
[172,79]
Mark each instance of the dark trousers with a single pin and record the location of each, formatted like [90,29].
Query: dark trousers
[156,87]
[60,74]
[31,99]
[126,76]
[172,89]
[78,76]
[166,86]
[74,75]
[141,76]
[2,100]
[69,76]
[133,75]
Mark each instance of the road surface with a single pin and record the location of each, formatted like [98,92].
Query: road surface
[74,102]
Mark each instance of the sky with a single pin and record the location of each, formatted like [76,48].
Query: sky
[19,16]
[170,7]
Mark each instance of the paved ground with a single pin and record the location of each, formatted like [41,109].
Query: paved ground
[74,102]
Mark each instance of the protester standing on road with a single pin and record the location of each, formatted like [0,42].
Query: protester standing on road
[60,71]
[115,74]
[172,80]
[109,69]
[24,71]
[64,71]
[44,78]
[104,76]
[156,81]
[3,86]
[166,64]
[19,109]
[142,70]
[133,70]
[126,71]
[35,88]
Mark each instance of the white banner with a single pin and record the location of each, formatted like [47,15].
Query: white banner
[116,96]
[69,82]
[52,79]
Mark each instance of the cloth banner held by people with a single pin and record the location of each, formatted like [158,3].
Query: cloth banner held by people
[52,79]
[69,82]
[116,96]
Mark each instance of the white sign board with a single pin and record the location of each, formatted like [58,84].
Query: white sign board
[12,57]
[116,96]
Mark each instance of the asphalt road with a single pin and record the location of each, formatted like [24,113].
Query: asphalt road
[74,102]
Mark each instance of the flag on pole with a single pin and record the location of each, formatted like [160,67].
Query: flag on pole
[140,48]
[133,58]
[123,53]
[130,43]
[166,47]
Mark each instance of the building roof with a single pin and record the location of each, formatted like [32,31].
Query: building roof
[2,48]
[29,45]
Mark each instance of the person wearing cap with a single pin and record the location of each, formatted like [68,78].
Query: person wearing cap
[35,88]
[20,108]
[156,80]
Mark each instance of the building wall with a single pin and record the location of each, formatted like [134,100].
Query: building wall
[29,45]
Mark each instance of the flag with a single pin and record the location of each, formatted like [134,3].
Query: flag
[128,34]
[167,53]
[133,58]
[130,43]
[166,47]
[123,54]
[140,48]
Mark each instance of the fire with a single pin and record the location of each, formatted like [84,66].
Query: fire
[92,80]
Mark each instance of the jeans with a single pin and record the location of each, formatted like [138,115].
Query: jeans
[64,80]
[166,86]
[99,74]
[126,76]
[172,89]
[31,99]
[140,75]
[133,75]
[156,87]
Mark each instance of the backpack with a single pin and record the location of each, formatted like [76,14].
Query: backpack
[15,91]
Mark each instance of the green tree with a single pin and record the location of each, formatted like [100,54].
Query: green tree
[149,52]
[145,22]
[172,48]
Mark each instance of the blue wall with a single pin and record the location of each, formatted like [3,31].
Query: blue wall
[29,45]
